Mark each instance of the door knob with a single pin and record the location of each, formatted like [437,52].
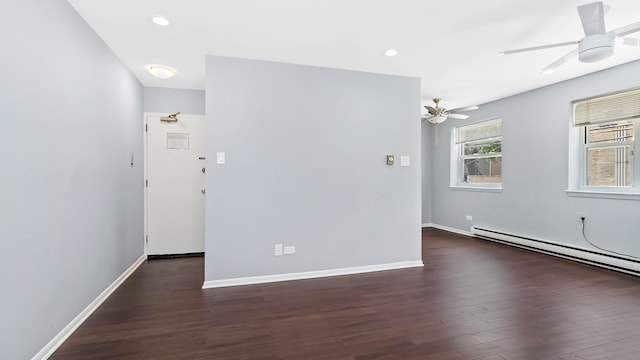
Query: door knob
[203,190]
[203,170]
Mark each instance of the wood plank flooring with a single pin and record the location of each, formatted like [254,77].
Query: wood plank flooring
[472,300]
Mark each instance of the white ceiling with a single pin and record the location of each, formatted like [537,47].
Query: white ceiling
[451,45]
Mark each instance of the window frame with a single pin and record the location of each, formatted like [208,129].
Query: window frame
[458,157]
[579,147]
[585,146]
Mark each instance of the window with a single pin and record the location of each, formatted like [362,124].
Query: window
[477,155]
[608,127]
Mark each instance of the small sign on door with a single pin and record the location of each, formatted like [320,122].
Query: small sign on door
[178,141]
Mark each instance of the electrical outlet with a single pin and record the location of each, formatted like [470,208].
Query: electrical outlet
[580,216]
[289,250]
[277,250]
[469,217]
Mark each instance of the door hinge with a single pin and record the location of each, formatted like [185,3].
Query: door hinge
[146,127]
[146,183]
[146,238]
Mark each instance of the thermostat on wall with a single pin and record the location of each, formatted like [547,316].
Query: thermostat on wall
[390,159]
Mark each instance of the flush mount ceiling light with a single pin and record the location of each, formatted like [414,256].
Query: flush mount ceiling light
[161,71]
[160,20]
[391,52]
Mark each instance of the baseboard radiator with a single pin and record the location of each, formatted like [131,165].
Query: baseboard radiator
[602,259]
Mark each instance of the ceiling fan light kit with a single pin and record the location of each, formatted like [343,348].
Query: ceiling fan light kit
[596,47]
[436,119]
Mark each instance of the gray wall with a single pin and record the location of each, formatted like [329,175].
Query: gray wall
[306,166]
[535,171]
[427,149]
[71,215]
[161,100]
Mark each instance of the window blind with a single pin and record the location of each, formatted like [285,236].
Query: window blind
[481,131]
[620,106]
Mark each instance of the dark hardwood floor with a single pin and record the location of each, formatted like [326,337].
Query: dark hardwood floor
[472,300]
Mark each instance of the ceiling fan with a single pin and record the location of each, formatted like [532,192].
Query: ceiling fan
[596,45]
[436,115]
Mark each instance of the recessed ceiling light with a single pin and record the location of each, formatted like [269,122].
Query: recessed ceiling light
[161,71]
[159,20]
[391,52]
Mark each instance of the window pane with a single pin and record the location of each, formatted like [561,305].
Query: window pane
[610,132]
[483,170]
[610,166]
[487,146]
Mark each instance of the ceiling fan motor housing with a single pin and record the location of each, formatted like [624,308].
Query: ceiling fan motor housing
[596,47]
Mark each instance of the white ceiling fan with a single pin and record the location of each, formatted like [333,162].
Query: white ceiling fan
[597,44]
[437,114]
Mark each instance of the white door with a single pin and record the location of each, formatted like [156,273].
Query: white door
[175,185]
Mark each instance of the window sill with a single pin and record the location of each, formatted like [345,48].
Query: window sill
[605,194]
[490,189]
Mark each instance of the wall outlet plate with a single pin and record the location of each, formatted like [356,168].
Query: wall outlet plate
[277,250]
[289,250]
[581,215]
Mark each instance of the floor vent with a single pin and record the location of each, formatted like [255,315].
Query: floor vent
[615,262]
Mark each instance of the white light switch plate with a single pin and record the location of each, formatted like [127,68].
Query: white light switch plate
[220,158]
[405,160]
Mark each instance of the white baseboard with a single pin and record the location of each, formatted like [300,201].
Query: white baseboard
[309,274]
[449,229]
[64,334]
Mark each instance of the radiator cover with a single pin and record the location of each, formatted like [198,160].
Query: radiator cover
[615,262]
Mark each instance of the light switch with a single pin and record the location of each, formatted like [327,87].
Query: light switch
[405,160]
[220,158]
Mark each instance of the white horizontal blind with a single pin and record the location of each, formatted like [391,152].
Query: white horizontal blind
[620,106]
[480,131]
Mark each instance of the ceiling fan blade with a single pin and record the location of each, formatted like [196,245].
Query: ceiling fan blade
[515,51]
[431,110]
[554,65]
[457,116]
[592,17]
[627,41]
[466,108]
[626,30]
